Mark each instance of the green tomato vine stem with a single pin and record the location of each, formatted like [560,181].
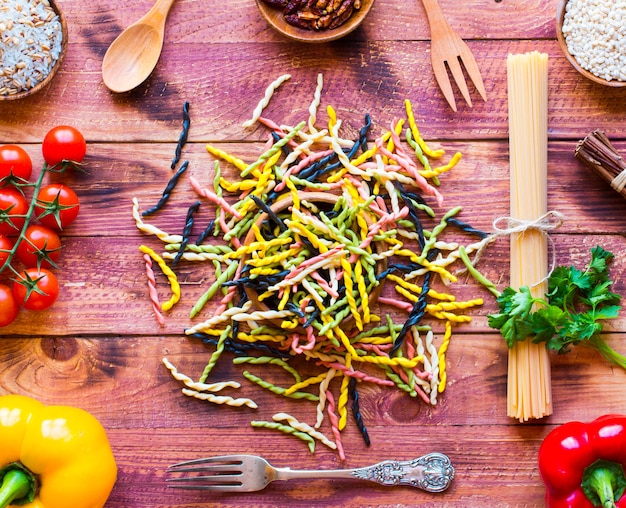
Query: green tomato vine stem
[27,218]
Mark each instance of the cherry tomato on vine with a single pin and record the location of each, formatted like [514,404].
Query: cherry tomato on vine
[63,143]
[36,289]
[13,209]
[5,246]
[9,308]
[14,161]
[40,247]
[57,206]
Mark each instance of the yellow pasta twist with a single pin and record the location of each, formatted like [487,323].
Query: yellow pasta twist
[221,154]
[362,286]
[442,358]
[347,280]
[171,277]
[305,383]
[435,154]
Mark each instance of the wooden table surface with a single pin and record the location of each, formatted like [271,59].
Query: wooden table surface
[100,346]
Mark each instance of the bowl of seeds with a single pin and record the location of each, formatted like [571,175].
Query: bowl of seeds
[314,21]
[591,34]
[33,42]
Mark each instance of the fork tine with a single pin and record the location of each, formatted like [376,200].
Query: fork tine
[441,75]
[218,479]
[457,73]
[469,62]
[218,488]
[232,460]
[213,468]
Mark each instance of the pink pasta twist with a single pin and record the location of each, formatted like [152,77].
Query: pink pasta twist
[154,295]
[334,422]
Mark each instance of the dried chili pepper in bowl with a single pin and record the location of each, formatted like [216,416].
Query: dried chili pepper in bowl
[314,20]
[582,464]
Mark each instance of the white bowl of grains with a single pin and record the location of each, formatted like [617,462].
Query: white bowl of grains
[33,41]
[592,35]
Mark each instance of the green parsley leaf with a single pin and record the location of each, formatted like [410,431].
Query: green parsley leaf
[575,304]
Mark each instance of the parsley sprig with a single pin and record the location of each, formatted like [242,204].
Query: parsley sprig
[571,312]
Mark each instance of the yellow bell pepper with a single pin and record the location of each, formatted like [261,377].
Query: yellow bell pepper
[52,456]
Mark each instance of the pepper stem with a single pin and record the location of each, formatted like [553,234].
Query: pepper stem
[604,483]
[17,484]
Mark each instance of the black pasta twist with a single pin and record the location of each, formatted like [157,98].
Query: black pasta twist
[415,316]
[210,228]
[240,348]
[467,228]
[356,410]
[182,140]
[168,190]
[186,231]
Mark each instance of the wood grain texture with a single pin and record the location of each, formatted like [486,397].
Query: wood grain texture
[100,347]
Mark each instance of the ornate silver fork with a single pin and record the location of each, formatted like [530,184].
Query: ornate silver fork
[248,473]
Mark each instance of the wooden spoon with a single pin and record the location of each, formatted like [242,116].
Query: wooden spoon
[133,55]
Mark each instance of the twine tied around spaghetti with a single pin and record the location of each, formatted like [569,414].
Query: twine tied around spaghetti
[507,226]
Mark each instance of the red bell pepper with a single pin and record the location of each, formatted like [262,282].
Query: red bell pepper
[582,464]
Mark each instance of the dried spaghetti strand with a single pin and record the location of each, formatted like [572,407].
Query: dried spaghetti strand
[529,383]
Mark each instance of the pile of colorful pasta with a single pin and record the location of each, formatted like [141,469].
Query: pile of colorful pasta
[301,246]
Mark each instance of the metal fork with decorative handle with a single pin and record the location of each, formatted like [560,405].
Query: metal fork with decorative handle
[432,472]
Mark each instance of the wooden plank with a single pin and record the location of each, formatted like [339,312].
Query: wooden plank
[377,77]
[100,346]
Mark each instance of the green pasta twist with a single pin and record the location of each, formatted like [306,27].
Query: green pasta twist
[287,430]
[219,349]
[279,390]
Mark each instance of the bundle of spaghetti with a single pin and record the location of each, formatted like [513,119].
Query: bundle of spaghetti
[529,383]
[300,271]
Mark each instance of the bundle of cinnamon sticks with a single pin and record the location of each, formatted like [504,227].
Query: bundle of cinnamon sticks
[602,157]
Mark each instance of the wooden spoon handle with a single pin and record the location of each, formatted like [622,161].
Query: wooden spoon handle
[158,13]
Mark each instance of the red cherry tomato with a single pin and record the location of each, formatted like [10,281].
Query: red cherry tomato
[8,306]
[57,206]
[40,247]
[5,246]
[63,143]
[36,289]
[13,208]
[14,161]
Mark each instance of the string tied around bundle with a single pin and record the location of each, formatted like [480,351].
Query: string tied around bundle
[507,226]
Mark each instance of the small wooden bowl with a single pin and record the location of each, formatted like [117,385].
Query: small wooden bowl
[44,82]
[274,16]
[560,16]
[320,198]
